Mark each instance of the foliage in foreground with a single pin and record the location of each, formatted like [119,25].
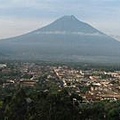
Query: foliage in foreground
[36,104]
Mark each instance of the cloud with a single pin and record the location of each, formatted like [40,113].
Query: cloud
[67,33]
[44,8]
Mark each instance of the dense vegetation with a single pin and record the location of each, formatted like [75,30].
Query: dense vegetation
[39,104]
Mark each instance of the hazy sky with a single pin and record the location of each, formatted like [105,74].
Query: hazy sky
[21,16]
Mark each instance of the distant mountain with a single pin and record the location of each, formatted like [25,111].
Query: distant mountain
[66,39]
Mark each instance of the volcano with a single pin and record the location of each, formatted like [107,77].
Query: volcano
[66,39]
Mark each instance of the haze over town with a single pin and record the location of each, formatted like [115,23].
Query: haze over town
[21,16]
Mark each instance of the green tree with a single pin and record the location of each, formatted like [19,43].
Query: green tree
[16,109]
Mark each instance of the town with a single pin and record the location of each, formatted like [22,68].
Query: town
[91,84]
